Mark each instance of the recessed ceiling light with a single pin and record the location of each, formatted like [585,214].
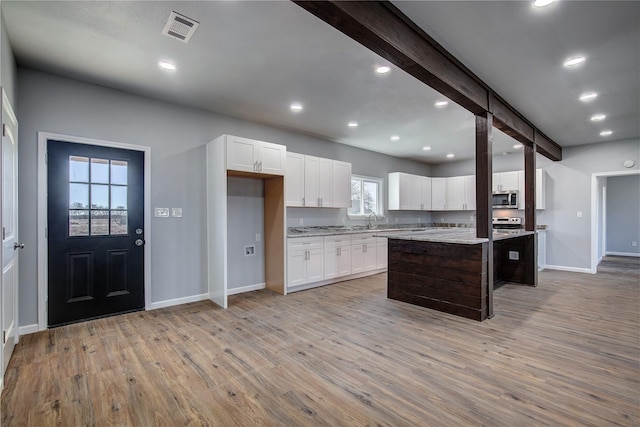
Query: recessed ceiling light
[166,65]
[542,3]
[574,60]
[597,117]
[588,96]
[296,107]
[606,133]
[353,124]
[395,138]
[426,148]
[450,156]
[517,146]
[383,69]
[441,104]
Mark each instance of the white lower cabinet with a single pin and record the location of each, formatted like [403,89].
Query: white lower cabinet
[542,249]
[305,260]
[337,256]
[382,253]
[363,253]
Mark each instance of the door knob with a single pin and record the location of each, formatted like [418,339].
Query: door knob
[139,242]
[17,246]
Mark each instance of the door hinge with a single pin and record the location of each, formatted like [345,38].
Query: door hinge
[46,232]
[4,233]
[4,337]
[4,129]
[46,158]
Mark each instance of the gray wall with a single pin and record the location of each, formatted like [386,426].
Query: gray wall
[623,214]
[568,190]
[177,136]
[7,64]
[245,210]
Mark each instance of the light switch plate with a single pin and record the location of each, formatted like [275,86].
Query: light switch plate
[162,212]
[176,212]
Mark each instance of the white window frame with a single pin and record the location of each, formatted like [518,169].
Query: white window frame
[380,183]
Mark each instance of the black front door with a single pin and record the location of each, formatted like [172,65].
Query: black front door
[95,208]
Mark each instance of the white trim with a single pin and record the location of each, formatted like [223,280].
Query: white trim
[28,329]
[177,301]
[335,280]
[43,137]
[565,268]
[632,254]
[594,211]
[243,289]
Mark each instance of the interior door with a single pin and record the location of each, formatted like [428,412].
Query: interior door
[10,245]
[95,215]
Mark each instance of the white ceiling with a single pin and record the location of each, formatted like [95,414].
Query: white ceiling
[252,59]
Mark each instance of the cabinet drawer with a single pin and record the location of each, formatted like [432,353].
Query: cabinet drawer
[363,238]
[333,241]
[304,243]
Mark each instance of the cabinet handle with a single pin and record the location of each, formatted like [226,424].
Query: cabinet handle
[303,201]
[260,166]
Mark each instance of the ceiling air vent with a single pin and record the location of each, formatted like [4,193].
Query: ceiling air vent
[180,27]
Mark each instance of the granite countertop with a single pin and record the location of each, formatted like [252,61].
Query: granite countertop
[465,236]
[353,229]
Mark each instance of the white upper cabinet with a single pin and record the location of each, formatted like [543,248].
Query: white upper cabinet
[294,179]
[505,181]
[409,192]
[438,194]
[540,190]
[461,193]
[250,155]
[341,184]
[317,182]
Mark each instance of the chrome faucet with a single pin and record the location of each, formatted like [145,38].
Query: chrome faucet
[372,226]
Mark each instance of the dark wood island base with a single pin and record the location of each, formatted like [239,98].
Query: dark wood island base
[446,277]
[452,277]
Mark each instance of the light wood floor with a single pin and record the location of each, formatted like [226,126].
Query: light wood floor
[564,353]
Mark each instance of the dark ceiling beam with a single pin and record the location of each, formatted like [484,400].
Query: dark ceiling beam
[382,28]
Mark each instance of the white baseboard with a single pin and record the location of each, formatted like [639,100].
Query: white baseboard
[633,254]
[28,329]
[177,301]
[564,268]
[244,289]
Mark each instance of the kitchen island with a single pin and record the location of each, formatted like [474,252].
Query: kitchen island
[447,269]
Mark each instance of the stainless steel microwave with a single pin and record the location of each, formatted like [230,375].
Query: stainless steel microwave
[505,200]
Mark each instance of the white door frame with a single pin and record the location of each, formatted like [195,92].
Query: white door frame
[43,260]
[595,201]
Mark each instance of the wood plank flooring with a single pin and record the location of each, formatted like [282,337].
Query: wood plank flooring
[565,353]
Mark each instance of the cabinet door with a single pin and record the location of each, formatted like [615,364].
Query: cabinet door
[415,192]
[382,252]
[426,193]
[370,255]
[311,194]
[455,193]
[470,193]
[509,181]
[404,190]
[325,182]
[341,184]
[438,194]
[242,154]
[495,182]
[357,258]
[294,179]
[296,268]
[315,265]
[540,190]
[331,259]
[344,260]
[272,158]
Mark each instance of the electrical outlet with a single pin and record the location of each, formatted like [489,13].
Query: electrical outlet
[634,244]
[514,255]
[162,212]
[301,221]
[176,212]
[579,214]
[249,250]
[257,237]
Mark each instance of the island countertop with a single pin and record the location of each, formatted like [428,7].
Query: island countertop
[464,236]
